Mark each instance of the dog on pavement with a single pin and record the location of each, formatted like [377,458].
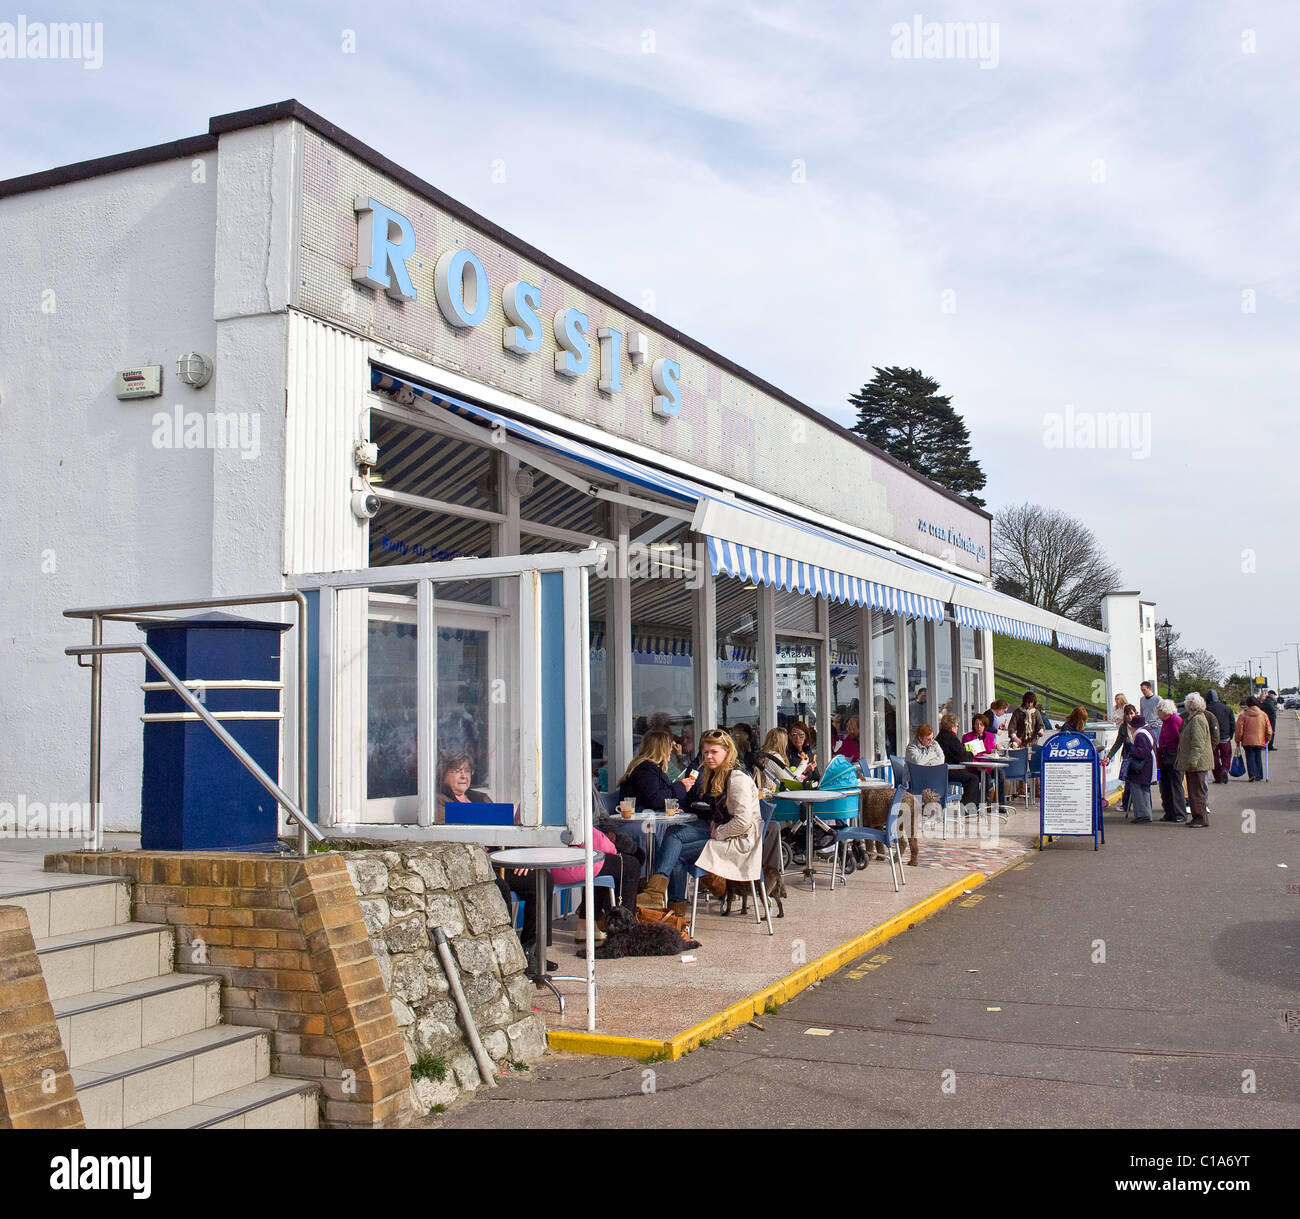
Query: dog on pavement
[626,937]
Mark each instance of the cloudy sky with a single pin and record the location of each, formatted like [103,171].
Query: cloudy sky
[1089,210]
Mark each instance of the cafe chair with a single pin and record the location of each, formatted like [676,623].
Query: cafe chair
[899,768]
[935,779]
[888,836]
[753,872]
[1017,772]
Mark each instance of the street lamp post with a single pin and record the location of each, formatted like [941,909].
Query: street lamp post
[1166,626]
[1277,665]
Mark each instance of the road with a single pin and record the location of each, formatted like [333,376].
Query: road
[1143,985]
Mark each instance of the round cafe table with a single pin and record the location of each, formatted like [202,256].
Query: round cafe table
[806,800]
[539,861]
[990,766]
[650,820]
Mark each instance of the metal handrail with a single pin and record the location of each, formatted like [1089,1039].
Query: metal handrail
[305,827]
[156,612]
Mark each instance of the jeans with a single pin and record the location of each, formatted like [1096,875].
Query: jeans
[1255,761]
[681,848]
[1140,798]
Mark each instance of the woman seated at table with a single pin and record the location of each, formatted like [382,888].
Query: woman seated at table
[772,761]
[803,751]
[954,753]
[623,866]
[924,750]
[980,739]
[646,779]
[455,774]
[849,746]
[729,816]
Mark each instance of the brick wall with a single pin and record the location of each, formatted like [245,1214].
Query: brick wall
[287,938]
[36,1090]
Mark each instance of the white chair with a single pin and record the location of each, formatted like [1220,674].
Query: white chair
[751,870]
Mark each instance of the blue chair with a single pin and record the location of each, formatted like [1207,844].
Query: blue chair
[755,862]
[1017,772]
[935,779]
[888,836]
[562,907]
[899,768]
[1035,767]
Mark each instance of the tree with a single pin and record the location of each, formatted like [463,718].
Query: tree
[1199,665]
[1046,557]
[901,411]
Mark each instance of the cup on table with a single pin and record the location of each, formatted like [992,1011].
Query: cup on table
[627,807]
[671,806]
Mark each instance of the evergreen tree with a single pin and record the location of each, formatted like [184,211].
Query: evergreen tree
[901,411]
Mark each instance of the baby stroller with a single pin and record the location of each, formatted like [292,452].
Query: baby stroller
[840,774]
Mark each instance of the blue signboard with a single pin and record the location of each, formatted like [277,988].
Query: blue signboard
[1070,800]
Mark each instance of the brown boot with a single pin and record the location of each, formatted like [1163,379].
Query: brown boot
[655,893]
[915,845]
[681,909]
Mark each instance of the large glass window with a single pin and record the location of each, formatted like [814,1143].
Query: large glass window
[919,708]
[737,627]
[796,684]
[943,698]
[794,611]
[663,588]
[845,695]
[885,689]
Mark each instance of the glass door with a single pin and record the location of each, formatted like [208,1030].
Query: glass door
[972,693]
[468,719]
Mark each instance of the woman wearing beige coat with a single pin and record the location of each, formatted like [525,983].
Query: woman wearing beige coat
[733,841]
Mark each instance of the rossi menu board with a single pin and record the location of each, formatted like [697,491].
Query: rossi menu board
[1071,795]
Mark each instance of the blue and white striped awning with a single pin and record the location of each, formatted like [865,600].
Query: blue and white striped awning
[1077,643]
[763,567]
[1015,628]
[661,645]
[734,655]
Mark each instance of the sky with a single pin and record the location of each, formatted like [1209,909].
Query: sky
[1081,212]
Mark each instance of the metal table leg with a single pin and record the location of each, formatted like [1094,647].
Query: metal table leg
[538,972]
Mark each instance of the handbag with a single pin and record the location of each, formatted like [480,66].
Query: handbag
[1124,767]
[1237,767]
[644,915]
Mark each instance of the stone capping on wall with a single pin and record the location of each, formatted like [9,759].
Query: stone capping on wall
[408,889]
[287,938]
[30,1044]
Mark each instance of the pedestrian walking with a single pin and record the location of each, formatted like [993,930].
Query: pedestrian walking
[1172,798]
[1141,768]
[1221,713]
[1252,733]
[1195,757]
[1268,705]
[1127,714]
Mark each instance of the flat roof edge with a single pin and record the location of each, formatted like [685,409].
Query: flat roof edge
[292,109]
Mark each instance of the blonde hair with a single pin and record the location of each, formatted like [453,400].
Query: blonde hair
[656,747]
[717,779]
[947,721]
[777,741]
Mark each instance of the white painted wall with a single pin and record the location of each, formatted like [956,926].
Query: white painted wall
[1131,623]
[99,275]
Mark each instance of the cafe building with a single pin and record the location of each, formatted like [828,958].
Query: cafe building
[267,358]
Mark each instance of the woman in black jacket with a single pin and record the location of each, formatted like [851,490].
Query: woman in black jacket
[646,779]
[954,752]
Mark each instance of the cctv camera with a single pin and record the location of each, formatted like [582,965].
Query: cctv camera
[364,504]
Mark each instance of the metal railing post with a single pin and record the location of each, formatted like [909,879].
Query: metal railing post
[96,677]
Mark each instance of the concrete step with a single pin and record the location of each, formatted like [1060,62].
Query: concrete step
[132,1087]
[102,958]
[80,904]
[273,1103]
[132,1015]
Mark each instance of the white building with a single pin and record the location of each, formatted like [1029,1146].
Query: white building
[770,560]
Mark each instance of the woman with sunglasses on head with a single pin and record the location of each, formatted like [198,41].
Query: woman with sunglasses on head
[727,821]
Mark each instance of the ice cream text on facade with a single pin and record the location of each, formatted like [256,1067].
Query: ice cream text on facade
[386,241]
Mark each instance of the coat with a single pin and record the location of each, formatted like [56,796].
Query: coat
[1253,728]
[1220,711]
[1194,750]
[916,756]
[1167,743]
[1142,757]
[649,785]
[1027,724]
[733,851]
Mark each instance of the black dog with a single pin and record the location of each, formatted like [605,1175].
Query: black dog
[625,937]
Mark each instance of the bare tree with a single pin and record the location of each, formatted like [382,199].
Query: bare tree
[1199,664]
[1046,557]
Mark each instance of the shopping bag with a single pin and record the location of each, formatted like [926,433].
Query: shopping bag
[1237,768]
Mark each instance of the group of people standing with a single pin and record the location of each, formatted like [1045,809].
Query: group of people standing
[1181,751]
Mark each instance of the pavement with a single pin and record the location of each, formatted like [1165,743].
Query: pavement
[1146,985]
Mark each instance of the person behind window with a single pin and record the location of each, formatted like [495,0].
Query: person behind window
[850,746]
[646,779]
[455,776]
